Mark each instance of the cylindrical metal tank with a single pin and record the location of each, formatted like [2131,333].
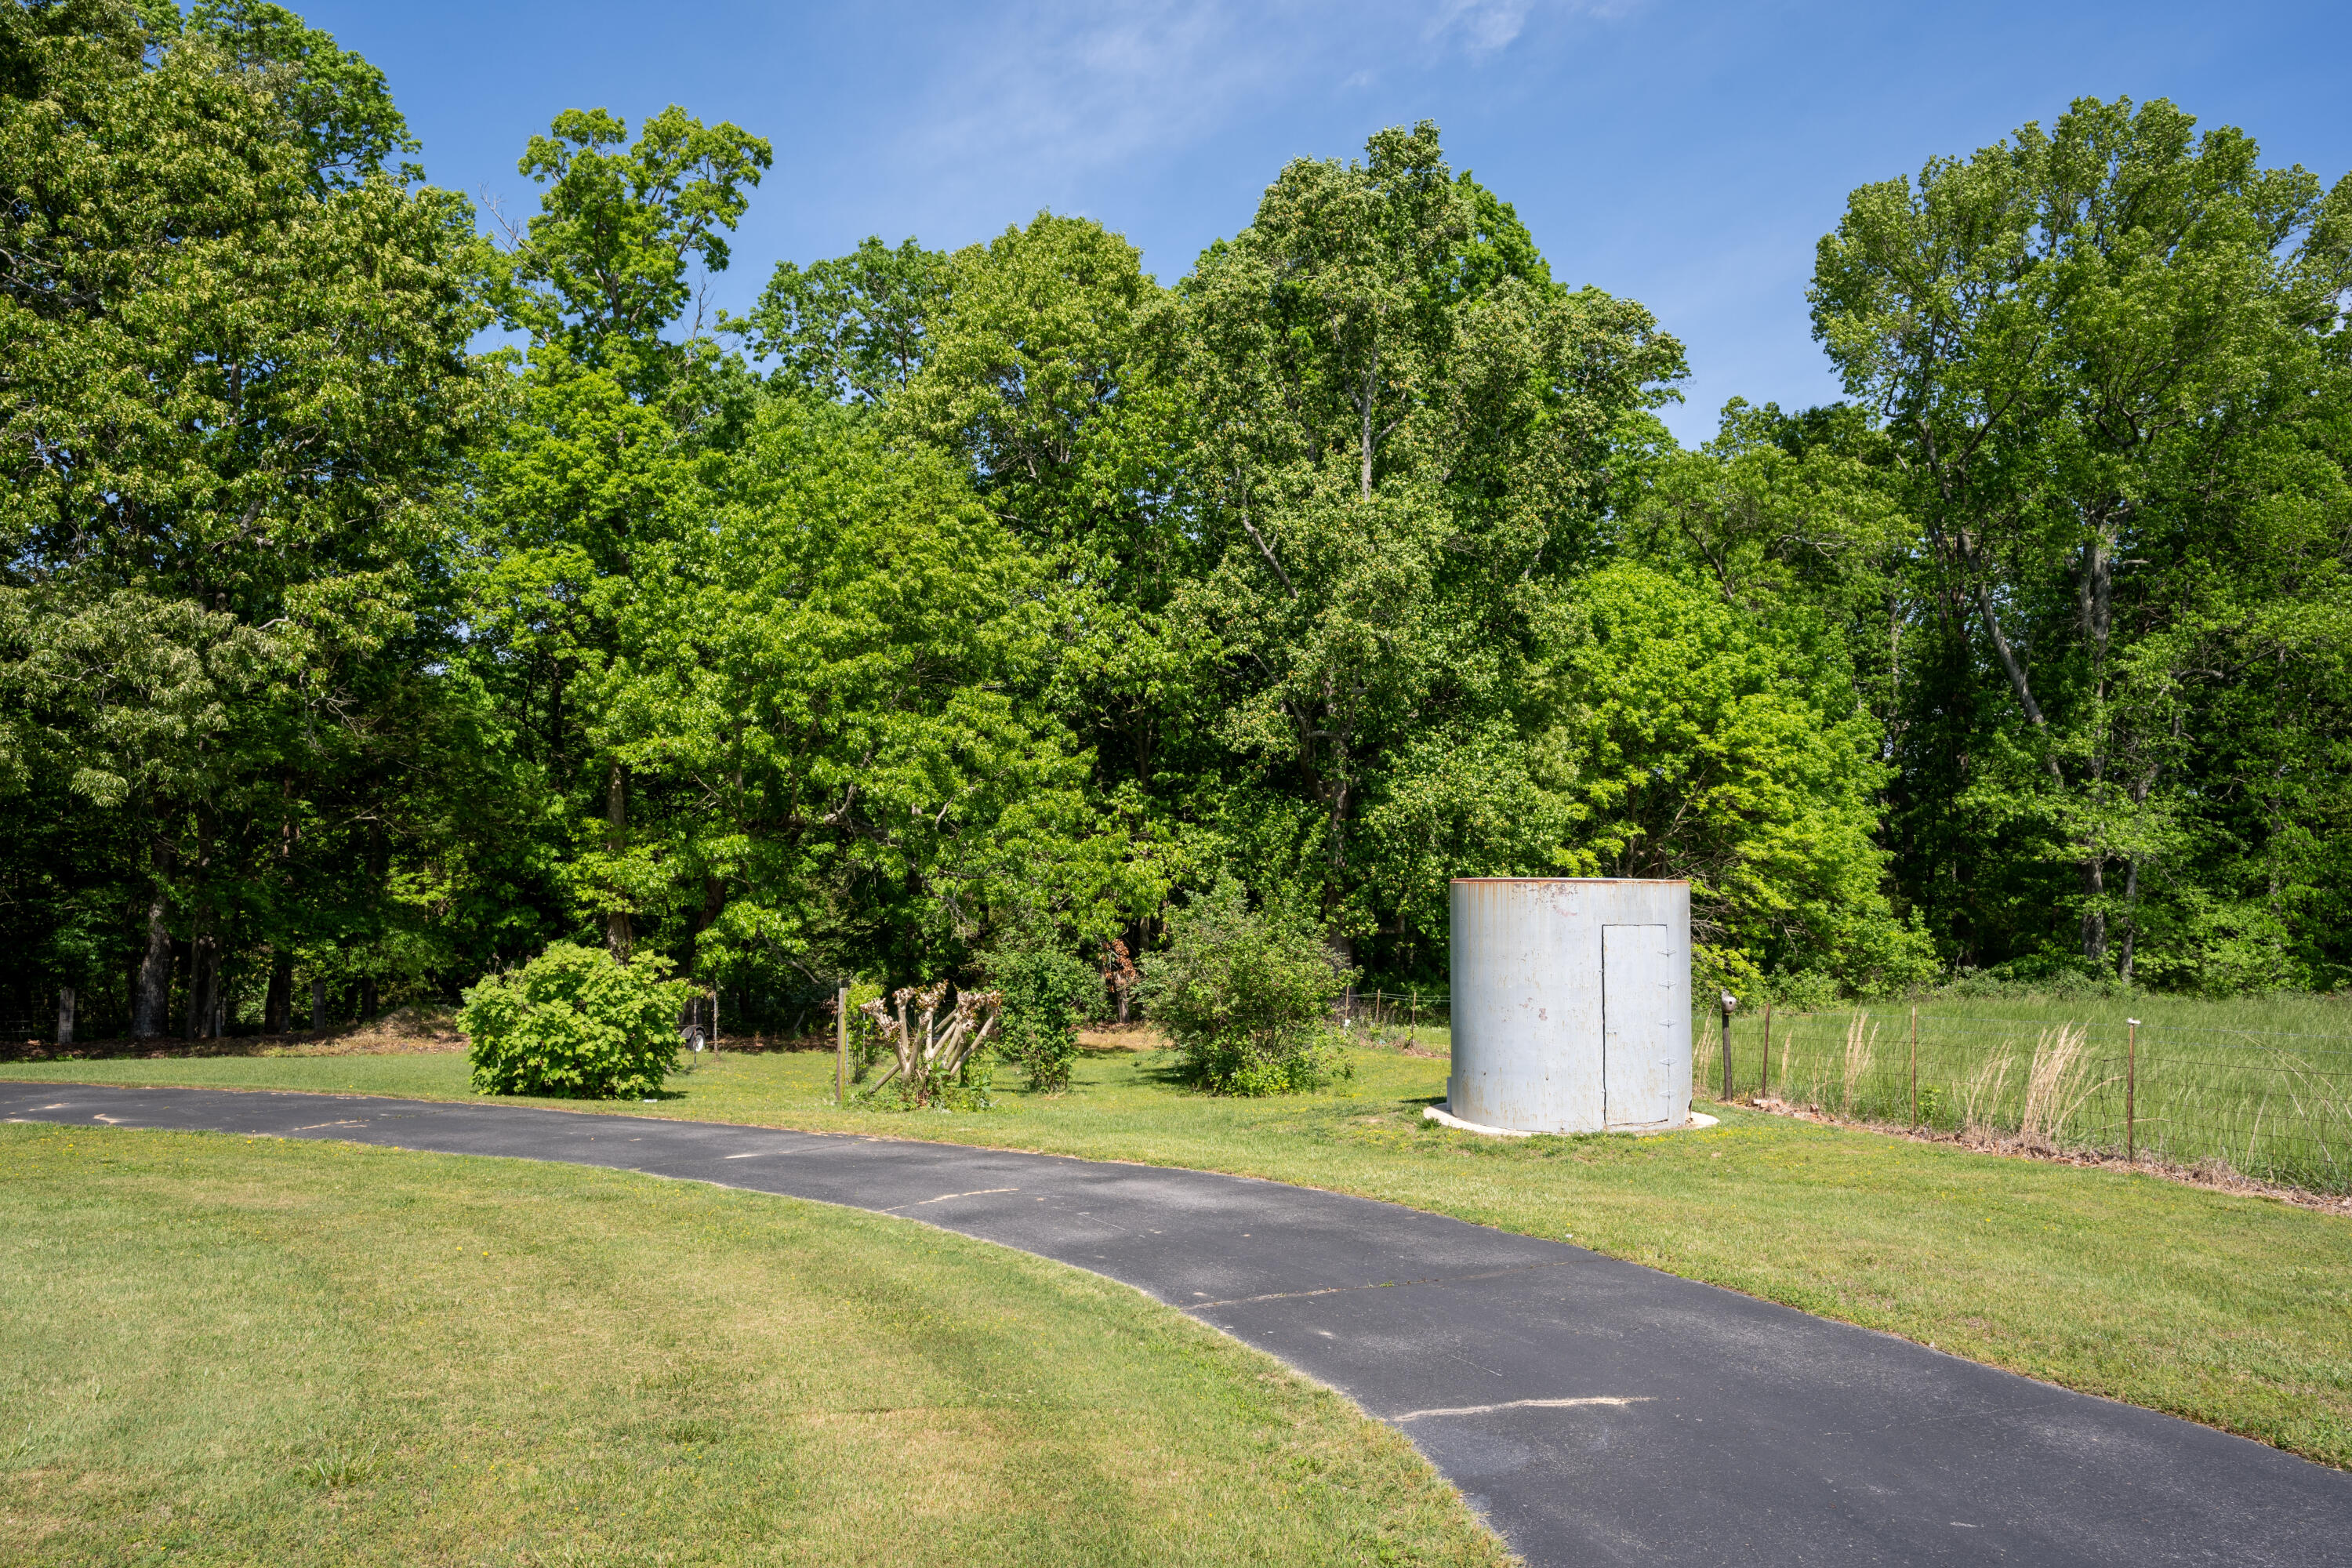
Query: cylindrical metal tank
[1571,1004]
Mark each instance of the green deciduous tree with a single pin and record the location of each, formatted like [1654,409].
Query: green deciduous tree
[1050,380]
[1688,738]
[2110,360]
[855,327]
[608,264]
[234,375]
[1400,450]
[839,674]
[615,418]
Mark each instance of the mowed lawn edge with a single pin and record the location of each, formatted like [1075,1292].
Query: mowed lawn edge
[2229,1309]
[229,1349]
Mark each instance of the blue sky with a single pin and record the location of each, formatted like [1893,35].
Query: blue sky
[1686,153]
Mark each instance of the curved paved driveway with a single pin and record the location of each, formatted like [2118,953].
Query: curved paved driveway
[1597,1411]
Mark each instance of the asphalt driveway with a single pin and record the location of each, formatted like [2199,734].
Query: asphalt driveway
[1595,1410]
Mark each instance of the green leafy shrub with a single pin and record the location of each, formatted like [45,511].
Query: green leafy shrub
[865,1038]
[1047,994]
[1246,995]
[576,1023]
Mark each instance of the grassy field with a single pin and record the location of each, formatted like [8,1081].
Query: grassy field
[224,1350]
[2263,1084]
[2229,1309]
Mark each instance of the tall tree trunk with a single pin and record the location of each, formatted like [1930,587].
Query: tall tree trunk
[379,874]
[618,938]
[2098,621]
[203,942]
[1334,791]
[204,976]
[2131,925]
[278,1007]
[153,997]
[317,1004]
[1342,948]
[714,901]
[2018,682]
[65,1015]
[2094,919]
[2098,604]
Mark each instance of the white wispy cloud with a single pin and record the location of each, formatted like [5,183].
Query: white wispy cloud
[1075,87]
[1483,25]
[1057,88]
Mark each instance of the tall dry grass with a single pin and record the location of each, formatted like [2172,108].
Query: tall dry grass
[2056,1084]
[1980,1091]
[1860,1052]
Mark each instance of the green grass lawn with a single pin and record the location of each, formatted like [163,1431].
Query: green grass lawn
[216,1350]
[2263,1084]
[2229,1309]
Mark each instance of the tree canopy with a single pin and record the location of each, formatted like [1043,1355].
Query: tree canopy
[953,603]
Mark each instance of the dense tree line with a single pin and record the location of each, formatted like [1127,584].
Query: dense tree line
[951,606]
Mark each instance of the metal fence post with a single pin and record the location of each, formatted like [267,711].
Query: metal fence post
[1915,1068]
[1764,1079]
[2131,1095]
[841,1047]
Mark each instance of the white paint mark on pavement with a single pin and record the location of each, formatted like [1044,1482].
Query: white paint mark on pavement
[1609,1399]
[975,1193]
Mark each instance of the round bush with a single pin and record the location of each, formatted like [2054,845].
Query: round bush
[1246,996]
[1048,993]
[576,1023]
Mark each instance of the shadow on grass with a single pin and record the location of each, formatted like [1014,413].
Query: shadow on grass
[407,1031]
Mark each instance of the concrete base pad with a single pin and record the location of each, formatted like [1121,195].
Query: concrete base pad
[1439,1114]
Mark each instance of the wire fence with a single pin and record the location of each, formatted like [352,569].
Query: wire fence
[1399,1020]
[2272,1105]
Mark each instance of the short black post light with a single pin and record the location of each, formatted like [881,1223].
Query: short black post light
[1729,1002]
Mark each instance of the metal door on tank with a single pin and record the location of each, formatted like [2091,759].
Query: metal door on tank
[1637,1032]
